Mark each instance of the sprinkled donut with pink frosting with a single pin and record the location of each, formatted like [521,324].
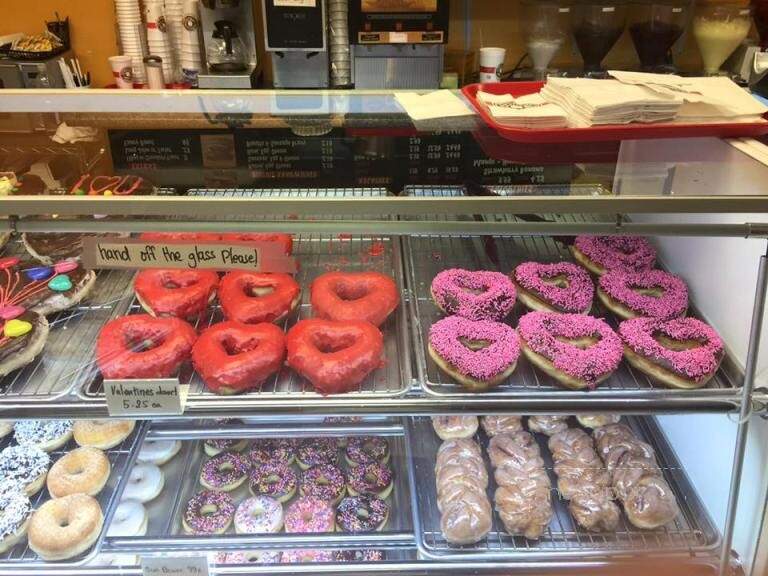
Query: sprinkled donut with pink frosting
[681,353]
[578,351]
[259,515]
[598,254]
[480,295]
[309,515]
[477,354]
[650,294]
[208,512]
[556,287]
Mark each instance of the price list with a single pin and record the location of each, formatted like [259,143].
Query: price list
[154,149]
[434,158]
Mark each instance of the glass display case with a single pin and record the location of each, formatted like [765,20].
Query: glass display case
[362,343]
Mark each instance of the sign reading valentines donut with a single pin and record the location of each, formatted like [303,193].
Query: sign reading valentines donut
[258,256]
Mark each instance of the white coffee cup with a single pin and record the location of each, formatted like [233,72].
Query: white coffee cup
[122,71]
[491,64]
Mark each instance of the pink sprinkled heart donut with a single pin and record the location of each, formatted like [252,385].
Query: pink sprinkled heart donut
[680,353]
[477,354]
[557,287]
[578,351]
[598,254]
[481,295]
[651,294]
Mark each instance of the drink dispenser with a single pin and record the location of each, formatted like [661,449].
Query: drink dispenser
[719,29]
[597,26]
[655,26]
[544,26]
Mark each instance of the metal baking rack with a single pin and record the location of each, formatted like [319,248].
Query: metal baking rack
[691,532]
[165,534]
[428,255]
[21,558]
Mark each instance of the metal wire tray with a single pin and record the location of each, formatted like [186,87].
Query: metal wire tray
[692,531]
[428,255]
[316,255]
[181,480]
[22,558]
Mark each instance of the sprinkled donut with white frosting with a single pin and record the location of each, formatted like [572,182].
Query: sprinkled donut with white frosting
[259,515]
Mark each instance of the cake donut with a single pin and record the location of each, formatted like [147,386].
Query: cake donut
[225,472]
[208,512]
[232,357]
[477,354]
[280,451]
[25,467]
[145,482]
[480,295]
[651,294]
[316,451]
[129,520]
[367,449]
[556,287]
[48,435]
[102,434]
[259,515]
[179,293]
[450,427]
[362,514]
[274,480]
[334,356]
[680,353]
[372,479]
[325,482]
[309,515]
[142,346]
[255,297]
[158,452]
[22,337]
[65,527]
[85,470]
[599,254]
[214,446]
[354,296]
[576,350]
[15,512]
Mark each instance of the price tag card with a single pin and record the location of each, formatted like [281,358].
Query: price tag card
[161,397]
[168,566]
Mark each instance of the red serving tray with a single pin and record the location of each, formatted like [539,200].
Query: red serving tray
[600,133]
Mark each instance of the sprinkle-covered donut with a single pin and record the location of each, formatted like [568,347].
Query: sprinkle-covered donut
[248,557]
[354,296]
[180,293]
[357,556]
[272,451]
[577,350]
[208,512]
[45,434]
[273,480]
[315,451]
[24,466]
[306,556]
[599,254]
[213,446]
[15,511]
[366,450]
[255,297]
[225,471]
[480,295]
[259,515]
[556,287]
[324,482]
[372,479]
[309,515]
[477,354]
[650,294]
[681,353]
[362,514]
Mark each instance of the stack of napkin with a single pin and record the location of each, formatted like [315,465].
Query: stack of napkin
[530,111]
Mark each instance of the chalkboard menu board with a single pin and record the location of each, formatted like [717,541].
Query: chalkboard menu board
[155,149]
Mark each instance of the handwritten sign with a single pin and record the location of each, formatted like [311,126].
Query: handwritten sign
[170,566]
[135,253]
[161,397]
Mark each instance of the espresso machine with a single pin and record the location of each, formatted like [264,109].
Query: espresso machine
[229,40]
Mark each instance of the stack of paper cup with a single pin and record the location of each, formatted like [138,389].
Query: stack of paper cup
[189,55]
[174,13]
[338,37]
[158,38]
[131,27]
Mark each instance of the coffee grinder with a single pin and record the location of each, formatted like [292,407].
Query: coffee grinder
[295,37]
[229,40]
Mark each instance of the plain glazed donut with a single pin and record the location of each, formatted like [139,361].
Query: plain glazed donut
[65,527]
[650,294]
[354,296]
[599,254]
[576,350]
[255,297]
[102,434]
[557,287]
[259,515]
[450,427]
[480,295]
[129,520]
[145,482]
[15,512]
[141,346]
[180,293]
[83,471]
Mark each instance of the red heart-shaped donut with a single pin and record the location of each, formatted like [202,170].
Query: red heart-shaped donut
[556,287]
[367,296]
[142,346]
[334,356]
[255,297]
[232,357]
[180,293]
